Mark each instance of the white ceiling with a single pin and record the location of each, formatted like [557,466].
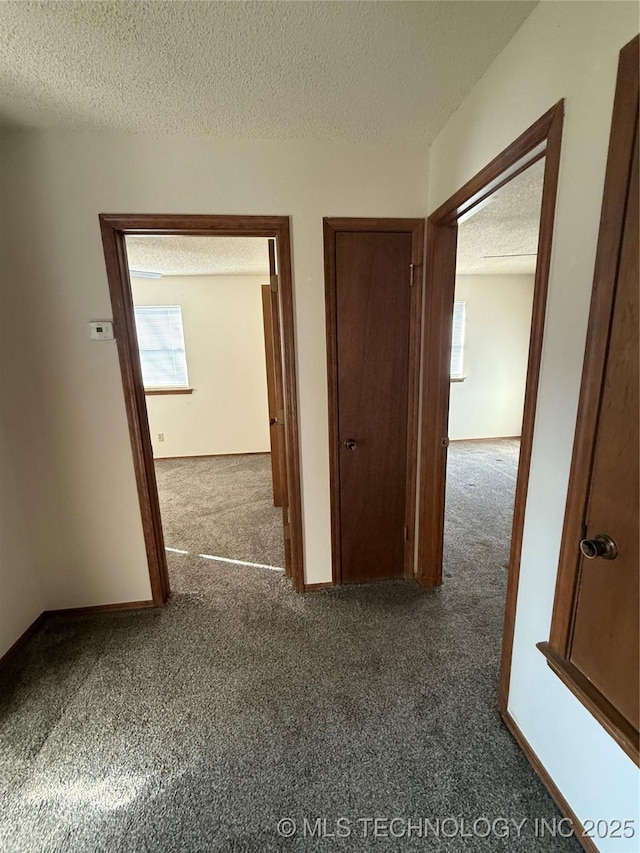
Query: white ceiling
[272,70]
[180,255]
[508,225]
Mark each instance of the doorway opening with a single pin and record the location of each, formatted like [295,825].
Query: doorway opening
[199,306]
[494,287]
[456,403]
[203,316]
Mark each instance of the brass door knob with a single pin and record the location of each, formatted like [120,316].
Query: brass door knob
[600,546]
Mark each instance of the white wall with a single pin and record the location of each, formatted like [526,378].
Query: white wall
[224,342]
[488,404]
[20,595]
[68,417]
[565,50]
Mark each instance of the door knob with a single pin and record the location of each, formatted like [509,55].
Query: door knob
[350,444]
[600,546]
[273,421]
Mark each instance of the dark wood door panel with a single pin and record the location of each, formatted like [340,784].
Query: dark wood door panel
[270,355]
[594,638]
[373,315]
[605,636]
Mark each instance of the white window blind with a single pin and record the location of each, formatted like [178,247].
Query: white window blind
[161,346]
[457,340]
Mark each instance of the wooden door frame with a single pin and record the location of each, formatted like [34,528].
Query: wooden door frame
[542,139]
[114,229]
[331,226]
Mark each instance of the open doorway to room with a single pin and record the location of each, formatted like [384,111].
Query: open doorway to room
[198,305]
[514,196]
[494,288]
[200,348]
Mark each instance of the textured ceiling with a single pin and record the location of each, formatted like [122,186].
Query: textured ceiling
[271,70]
[508,225]
[176,255]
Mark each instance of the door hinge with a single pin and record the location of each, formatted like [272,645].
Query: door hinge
[411,272]
[287,531]
[273,281]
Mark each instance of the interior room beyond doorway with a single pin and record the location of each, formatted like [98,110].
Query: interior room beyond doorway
[495,281]
[199,323]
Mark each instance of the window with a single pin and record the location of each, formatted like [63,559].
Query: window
[457,340]
[161,346]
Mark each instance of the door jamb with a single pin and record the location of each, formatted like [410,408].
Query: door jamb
[543,138]
[331,225]
[114,229]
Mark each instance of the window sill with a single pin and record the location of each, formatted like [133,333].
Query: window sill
[457,378]
[588,694]
[154,392]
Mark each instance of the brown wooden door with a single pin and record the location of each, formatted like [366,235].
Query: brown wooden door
[275,388]
[272,350]
[594,639]
[605,634]
[370,278]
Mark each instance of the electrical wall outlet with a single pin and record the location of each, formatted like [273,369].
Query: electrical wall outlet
[160,436]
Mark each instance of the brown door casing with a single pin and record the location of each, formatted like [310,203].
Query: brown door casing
[373,271]
[114,229]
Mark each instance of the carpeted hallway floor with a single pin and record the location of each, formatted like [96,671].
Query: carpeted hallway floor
[481,484]
[219,506]
[199,727]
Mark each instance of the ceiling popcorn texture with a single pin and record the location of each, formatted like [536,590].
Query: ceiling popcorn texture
[508,225]
[185,255]
[375,71]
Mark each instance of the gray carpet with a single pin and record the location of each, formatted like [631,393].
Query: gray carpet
[200,726]
[481,484]
[222,506]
